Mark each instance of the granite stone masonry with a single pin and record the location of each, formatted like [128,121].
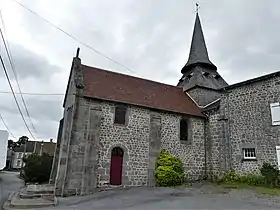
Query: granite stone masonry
[141,138]
[247,109]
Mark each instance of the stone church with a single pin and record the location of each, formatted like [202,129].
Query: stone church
[114,125]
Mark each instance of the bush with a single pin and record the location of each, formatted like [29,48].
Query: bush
[249,179]
[169,170]
[252,179]
[270,174]
[37,168]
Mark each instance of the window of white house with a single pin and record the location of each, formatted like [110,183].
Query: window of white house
[20,155]
[275,113]
[18,163]
[249,153]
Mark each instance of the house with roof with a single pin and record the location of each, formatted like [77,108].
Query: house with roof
[114,125]
[38,147]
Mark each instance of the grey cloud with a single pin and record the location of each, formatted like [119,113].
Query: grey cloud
[29,64]
[45,114]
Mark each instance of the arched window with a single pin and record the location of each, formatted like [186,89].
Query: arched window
[183,129]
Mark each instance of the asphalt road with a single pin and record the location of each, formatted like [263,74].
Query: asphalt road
[9,182]
[196,197]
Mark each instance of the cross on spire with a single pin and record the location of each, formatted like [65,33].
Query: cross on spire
[197,7]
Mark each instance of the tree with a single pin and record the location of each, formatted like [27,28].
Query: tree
[22,140]
[12,144]
[37,168]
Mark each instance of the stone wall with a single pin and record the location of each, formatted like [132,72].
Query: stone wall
[214,144]
[247,109]
[192,151]
[133,138]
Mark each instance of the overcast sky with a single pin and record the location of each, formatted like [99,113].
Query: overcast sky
[151,37]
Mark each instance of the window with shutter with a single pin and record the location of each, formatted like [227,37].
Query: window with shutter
[120,115]
[183,129]
[275,113]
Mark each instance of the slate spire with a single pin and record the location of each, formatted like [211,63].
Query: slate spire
[198,53]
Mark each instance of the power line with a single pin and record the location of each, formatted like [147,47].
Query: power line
[73,37]
[36,94]
[6,126]
[9,53]
[11,87]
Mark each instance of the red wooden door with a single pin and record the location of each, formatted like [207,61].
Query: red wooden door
[116,166]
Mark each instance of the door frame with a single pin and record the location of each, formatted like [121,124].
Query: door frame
[119,153]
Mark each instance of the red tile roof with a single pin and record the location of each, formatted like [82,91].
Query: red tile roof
[112,86]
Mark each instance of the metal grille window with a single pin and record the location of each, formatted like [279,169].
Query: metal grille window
[275,113]
[249,153]
[183,129]
[120,115]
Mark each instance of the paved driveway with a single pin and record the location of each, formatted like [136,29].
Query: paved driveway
[9,182]
[196,197]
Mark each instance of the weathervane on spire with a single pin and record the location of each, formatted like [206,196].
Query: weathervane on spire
[197,7]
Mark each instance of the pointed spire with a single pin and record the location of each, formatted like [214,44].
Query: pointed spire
[198,52]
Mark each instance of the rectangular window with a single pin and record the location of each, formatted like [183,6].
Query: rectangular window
[20,155]
[183,129]
[120,115]
[249,153]
[275,113]
[18,163]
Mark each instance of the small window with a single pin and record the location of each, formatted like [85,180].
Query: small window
[18,163]
[20,155]
[275,113]
[120,115]
[249,153]
[183,129]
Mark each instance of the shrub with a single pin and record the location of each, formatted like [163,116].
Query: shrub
[169,170]
[270,174]
[229,177]
[252,179]
[37,168]
[232,177]
[166,176]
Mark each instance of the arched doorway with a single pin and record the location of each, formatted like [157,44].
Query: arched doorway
[116,166]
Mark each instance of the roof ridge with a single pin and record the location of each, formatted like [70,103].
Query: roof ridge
[113,72]
[252,80]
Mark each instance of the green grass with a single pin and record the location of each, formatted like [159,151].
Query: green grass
[258,189]
[268,191]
